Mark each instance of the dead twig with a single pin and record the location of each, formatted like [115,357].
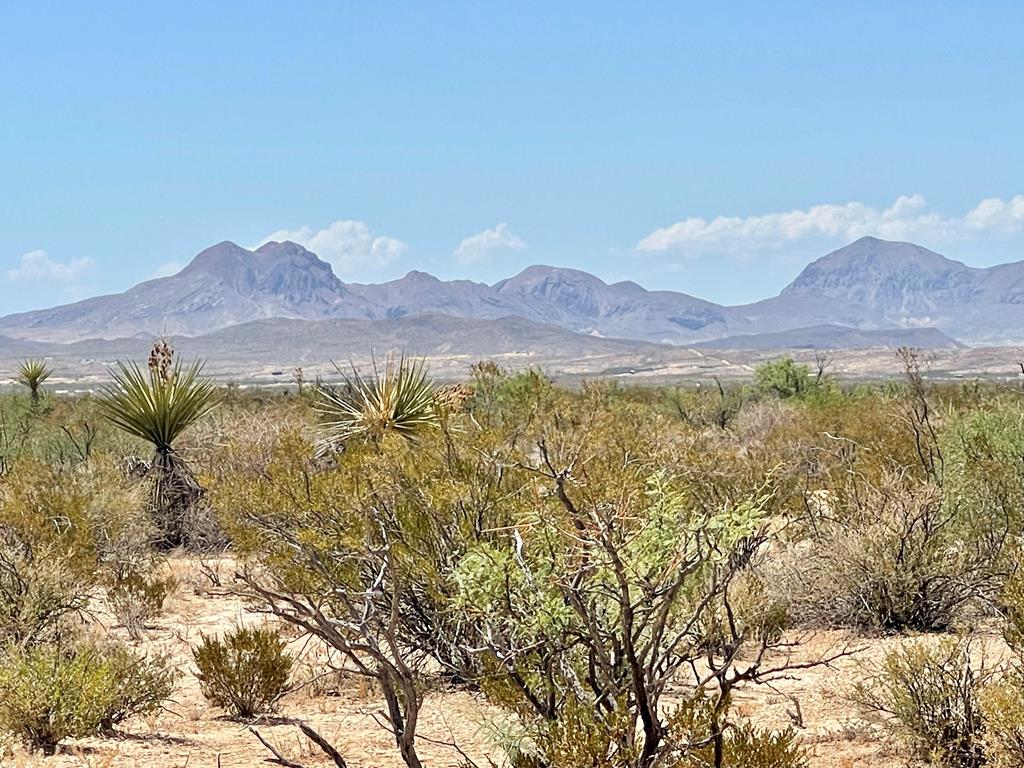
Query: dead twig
[326,746]
[278,757]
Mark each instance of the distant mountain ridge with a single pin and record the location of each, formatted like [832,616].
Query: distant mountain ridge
[870,285]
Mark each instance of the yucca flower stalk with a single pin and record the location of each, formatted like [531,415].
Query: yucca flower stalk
[398,399]
[158,405]
[32,373]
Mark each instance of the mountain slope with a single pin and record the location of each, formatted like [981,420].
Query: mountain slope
[874,284]
[223,285]
[894,279]
[869,285]
[837,337]
[226,285]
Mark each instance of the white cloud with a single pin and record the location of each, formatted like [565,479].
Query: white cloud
[906,219]
[346,244]
[166,270]
[36,265]
[480,246]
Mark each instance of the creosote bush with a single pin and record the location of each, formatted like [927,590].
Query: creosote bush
[1002,707]
[245,672]
[887,558]
[744,746]
[49,693]
[928,693]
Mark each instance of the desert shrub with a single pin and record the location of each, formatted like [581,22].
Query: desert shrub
[49,693]
[1002,706]
[1002,701]
[928,695]
[715,405]
[626,570]
[244,673]
[889,558]
[744,745]
[983,454]
[784,378]
[136,596]
[503,397]
[142,684]
[56,526]
[1011,604]
[36,594]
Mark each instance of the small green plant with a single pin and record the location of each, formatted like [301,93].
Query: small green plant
[398,399]
[32,374]
[928,695]
[244,673]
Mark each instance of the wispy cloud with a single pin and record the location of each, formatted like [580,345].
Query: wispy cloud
[482,245]
[37,265]
[166,270]
[908,218]
[347,244]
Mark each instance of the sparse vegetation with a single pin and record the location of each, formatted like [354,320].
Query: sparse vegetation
[608,567]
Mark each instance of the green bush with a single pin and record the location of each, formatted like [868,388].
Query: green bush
[928,695]
[142,684]
[246,672]
[50,693]
[784,378]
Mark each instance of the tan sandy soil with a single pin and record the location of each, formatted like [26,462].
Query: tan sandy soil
[193,734]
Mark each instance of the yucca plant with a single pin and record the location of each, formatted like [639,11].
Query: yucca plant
[158,405]
[398,398]
[32,373]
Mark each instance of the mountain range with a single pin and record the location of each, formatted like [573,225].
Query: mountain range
[871,292]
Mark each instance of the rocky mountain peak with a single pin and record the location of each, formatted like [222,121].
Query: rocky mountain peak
[222,261]
[893,278]
[283,269]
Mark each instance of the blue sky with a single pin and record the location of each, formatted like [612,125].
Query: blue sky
[711,148]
